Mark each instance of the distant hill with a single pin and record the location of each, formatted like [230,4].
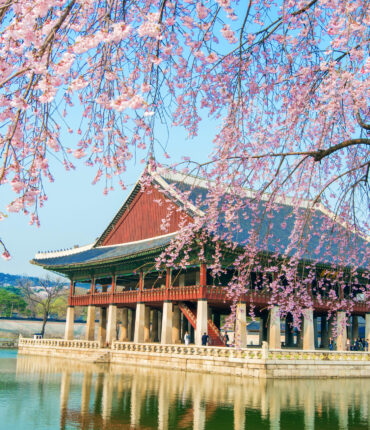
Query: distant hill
[7,280]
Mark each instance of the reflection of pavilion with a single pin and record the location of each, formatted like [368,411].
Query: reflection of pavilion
[135,398]
[136,302]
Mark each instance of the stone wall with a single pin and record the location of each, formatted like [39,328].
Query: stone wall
[258,363]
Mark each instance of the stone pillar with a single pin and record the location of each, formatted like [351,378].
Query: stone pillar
[289,339]
[154,334]
[102,332]
[202,321]
[324,332]
[308,330]
[166,337]
[274,329]
[367,328]
[139,323]
[90,323]
[147,324]
[176,325]
[341,331]
[112,324]
[124,325]
[241,326]
[70,318]
[354,334]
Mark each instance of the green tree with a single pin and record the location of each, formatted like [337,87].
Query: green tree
[10,302]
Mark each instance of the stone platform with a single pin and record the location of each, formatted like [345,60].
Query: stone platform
[248,362]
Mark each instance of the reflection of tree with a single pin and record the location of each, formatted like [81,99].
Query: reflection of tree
[43,298]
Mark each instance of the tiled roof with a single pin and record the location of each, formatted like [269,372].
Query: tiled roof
[279,225]
[100,254]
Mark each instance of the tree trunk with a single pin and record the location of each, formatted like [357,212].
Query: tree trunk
[44,320]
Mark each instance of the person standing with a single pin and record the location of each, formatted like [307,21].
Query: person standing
[187,338]
[205,338]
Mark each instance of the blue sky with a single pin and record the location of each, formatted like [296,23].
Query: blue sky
[77,212]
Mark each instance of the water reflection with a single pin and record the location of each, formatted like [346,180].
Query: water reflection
[100,397]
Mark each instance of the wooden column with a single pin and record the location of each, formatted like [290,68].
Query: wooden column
[141,280]
[168,278]
[71,288]
[203,275]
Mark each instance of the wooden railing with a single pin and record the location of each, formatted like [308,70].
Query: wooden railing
[189,293]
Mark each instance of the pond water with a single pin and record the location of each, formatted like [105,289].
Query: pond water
[37,393]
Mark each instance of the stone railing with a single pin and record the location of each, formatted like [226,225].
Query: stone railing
[188,350]
[59,343]
[317,355]
[243,353]
[8,343]
[194,351]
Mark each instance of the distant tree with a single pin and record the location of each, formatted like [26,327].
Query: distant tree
[43,297]
[10,302]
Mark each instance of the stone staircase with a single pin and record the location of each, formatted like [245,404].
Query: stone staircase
[213,332]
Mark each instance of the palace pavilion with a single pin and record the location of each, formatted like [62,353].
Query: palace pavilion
[134,301]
